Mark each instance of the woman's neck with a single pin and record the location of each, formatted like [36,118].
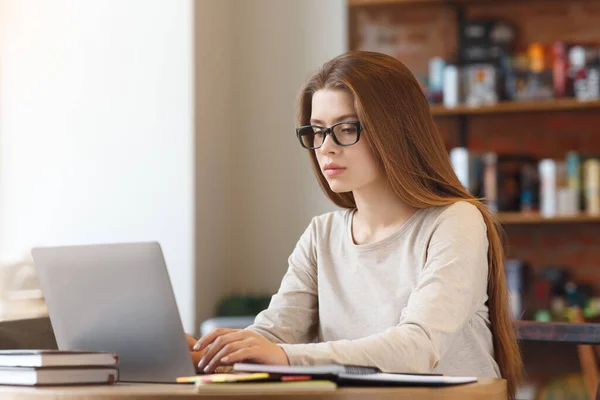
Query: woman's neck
[379,213]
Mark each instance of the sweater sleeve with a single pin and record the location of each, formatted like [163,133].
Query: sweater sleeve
[451,287]
[292,315]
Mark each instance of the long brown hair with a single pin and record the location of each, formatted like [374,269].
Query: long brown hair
[409,149]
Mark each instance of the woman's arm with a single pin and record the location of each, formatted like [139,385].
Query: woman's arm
[292,315]
[451,288]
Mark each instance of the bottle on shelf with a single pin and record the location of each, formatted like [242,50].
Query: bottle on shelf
[548,174]
[591,186]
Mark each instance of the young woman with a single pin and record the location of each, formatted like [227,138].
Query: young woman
[409,277]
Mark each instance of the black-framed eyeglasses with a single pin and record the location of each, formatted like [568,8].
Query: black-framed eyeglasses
[344,133]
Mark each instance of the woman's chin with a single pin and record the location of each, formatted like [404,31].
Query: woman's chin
[337,188]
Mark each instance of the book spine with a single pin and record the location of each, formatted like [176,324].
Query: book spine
[573,165]
[514,282]
[490,181]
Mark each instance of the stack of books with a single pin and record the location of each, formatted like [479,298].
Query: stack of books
[54,367]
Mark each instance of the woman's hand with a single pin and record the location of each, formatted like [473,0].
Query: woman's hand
[227,346]
[196,355]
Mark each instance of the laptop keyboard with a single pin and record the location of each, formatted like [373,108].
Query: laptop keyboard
[350,369]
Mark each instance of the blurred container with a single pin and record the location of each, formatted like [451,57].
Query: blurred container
[486,40]
[562,82]
[436,79]
[548,203]
[451,86]
[585,65]
[591,186]
[480,84]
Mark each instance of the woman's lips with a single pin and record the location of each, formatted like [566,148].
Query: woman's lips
[334,171]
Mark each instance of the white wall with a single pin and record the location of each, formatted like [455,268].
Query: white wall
[255,192]
[216,122]
[96,128]
[280,44]
[99,104]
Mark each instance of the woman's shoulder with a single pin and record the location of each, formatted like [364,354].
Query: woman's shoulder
[462,212]
[329,225]
[458,222]
[332,219]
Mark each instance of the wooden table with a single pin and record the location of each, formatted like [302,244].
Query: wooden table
[485,388]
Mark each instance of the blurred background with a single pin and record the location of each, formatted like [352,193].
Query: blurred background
[132,120]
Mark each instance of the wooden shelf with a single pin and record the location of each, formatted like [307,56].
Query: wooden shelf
[360,3]
[363,3]
[516,107]
[558,332]
[516,218]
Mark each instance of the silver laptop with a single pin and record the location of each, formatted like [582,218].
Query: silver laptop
[117,298]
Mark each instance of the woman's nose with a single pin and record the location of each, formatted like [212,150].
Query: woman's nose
[328,145]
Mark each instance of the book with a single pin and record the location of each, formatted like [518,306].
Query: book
[57,376]
[56,358]
[219,378]
[266,387]
[323,369]
[242,377]
[514,283]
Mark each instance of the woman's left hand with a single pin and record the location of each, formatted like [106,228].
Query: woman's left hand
[228,346]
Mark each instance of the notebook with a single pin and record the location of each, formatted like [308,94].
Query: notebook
[54,358]
[219,378]
[57,376]
[268,387]
[358,375]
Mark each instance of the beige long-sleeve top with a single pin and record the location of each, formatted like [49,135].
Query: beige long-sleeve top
[412,302]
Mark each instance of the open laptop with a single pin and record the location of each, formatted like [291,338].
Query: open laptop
[117,298]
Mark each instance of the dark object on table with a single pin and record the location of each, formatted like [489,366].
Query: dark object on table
[242,305]
[35,333]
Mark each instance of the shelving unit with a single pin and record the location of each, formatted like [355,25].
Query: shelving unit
[579,333]
[363,3]
[414,31]
[462,113]
[557,105]
[516,107]
[517,218]
[462,118]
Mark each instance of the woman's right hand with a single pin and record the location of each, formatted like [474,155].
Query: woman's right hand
[196,355]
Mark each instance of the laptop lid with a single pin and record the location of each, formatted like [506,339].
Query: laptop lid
[117,298]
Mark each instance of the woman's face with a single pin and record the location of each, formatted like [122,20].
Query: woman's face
[346,168]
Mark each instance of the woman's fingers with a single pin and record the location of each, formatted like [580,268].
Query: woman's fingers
[225,351]
[190,341]
[211,337]
[219,343]
[196,357]
[244,354]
